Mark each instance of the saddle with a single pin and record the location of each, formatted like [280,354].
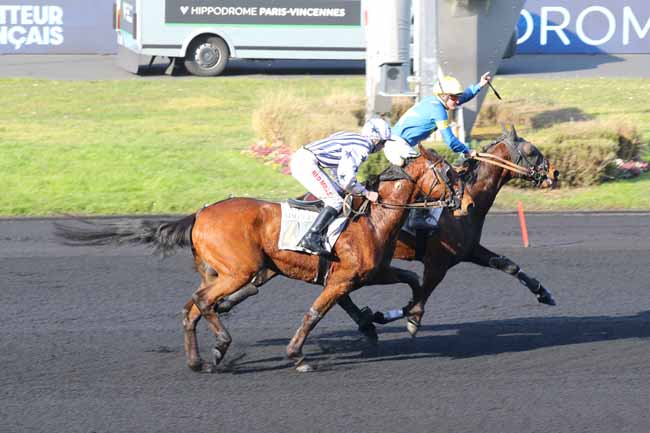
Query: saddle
[310,203]
[353,206]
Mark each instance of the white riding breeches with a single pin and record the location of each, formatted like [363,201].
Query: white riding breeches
[304,167]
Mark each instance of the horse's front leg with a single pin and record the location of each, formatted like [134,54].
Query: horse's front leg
[363,317]
[484,257]
[328,297]
[434,271]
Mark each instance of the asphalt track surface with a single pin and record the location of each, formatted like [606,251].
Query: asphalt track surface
[91,342]
[104,67]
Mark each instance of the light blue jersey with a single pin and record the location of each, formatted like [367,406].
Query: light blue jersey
[427,116]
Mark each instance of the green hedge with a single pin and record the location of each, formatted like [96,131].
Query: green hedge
[581,163]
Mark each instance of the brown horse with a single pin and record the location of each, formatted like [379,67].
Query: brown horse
[235,242]
[457,240]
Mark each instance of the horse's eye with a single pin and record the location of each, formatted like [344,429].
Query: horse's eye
[529,149]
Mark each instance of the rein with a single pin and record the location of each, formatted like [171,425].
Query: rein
[503,163]
[419,205]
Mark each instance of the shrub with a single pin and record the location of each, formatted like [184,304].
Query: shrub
[528,115]
[581,162]
[401,105]
[583,150]
[293,120]
[621,132]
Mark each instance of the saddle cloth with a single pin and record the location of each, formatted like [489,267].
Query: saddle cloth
[296,222]
[422,219]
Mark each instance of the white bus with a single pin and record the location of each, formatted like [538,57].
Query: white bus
[205,34]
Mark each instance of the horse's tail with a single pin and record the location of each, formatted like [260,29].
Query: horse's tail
[164,236]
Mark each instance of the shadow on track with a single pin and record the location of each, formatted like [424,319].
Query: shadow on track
[458,341]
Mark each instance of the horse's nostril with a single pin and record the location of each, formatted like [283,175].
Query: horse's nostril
[556,174]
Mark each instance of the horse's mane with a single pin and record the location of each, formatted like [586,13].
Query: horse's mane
[471,174]
[392,172]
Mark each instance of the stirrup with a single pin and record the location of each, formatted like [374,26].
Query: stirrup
[313,242]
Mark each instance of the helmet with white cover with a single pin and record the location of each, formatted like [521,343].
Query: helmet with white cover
[448,85]
[376,129]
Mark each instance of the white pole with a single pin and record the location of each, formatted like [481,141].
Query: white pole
[425,45]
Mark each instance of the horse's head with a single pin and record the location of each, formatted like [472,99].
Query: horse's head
[534,166]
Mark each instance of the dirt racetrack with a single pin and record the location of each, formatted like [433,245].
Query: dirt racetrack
[91,342]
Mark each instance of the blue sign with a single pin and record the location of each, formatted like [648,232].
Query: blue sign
[56,27]
[581,26]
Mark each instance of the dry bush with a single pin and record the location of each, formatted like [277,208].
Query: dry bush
[620,131]
[295,120]
[401,105]
[528,115]
[581,162]
[584,151]
[629,139]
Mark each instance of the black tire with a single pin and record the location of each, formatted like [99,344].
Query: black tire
[207,56]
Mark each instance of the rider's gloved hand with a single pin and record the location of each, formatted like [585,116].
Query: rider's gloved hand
[471,154]
[485,78]
[373,196]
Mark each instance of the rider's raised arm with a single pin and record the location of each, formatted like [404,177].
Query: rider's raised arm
[469,93]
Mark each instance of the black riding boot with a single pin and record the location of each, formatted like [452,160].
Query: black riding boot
[313,239]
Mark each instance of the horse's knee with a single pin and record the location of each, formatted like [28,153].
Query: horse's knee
[202,305]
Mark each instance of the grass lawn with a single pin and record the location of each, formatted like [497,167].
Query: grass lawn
[169,146]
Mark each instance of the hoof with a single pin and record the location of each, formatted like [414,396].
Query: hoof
[371,335]
[203,367]
[545,298]
[196,366]
[304,367]
[369,331]
[412,328]
[209,367]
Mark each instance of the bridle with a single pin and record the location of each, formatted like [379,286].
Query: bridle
[536,171]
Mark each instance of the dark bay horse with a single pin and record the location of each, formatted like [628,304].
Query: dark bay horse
[457,240]
[235,242]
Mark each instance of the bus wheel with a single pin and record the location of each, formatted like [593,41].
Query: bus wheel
[207,57]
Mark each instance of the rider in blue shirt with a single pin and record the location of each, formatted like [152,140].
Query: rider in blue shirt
[430,114]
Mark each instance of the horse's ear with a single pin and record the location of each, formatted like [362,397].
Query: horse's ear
[514,133]
[423,151]
[503,128]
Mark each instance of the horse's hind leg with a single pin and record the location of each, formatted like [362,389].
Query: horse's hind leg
[251,289]
[191,316]
[206,298]
[484,257]
[391,275]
